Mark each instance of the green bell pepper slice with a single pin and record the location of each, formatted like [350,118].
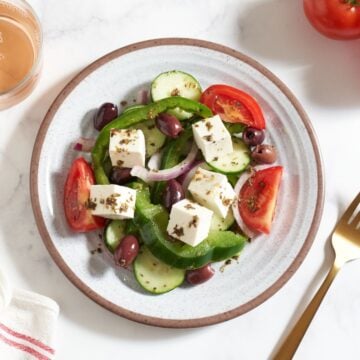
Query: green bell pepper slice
[133,117]
[152,221]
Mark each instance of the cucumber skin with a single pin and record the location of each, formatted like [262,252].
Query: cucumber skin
[213,168]
[151,291]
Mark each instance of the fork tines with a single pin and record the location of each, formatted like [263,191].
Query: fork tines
[350,210]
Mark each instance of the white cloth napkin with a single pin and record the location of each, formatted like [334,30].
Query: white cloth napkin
[27,324]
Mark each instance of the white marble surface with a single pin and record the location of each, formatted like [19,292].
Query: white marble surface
[323,74]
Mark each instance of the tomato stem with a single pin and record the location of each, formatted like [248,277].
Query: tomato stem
[352,2]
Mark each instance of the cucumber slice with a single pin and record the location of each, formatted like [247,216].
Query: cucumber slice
[154,138]
[113,233]
[219,223]
[154,275]
[235,162]
[176,83]
[132,107]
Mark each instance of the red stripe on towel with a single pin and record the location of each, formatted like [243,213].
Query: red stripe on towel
[27,338]
[24,348]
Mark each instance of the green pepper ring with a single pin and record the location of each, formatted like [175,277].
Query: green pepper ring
[132,118]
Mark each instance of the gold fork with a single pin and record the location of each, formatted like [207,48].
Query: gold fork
[346,244]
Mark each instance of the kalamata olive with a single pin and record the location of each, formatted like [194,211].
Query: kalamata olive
[264,154]
[199,276]
[120,175]
[106,113]
[173,193]
[126,251]
[168,125]
[253,136]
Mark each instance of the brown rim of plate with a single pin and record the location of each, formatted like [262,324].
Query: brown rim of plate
[172,323]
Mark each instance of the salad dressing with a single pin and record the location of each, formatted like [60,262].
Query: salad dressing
[17,53]
[20,51]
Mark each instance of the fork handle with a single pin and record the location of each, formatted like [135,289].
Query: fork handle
[292,341]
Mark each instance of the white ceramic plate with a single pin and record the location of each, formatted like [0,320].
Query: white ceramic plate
[265,264]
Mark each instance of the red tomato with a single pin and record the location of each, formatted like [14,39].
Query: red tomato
[76,197]
[233,105]
[257,198]
[336,19]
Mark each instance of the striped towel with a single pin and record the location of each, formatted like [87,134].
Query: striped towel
[27,324]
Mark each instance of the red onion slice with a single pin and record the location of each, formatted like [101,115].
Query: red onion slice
[167,174]
[235,207]
[84,144]
[142,97]
[154,162]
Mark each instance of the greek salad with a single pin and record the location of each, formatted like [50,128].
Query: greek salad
[177,181]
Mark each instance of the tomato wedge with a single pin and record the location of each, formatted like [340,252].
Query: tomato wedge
[76,197]
[257,198]
[233,105]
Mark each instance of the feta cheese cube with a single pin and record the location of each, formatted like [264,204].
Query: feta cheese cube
[212,190]
[127,147]
[112,201]
[189,222]
[212,138]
